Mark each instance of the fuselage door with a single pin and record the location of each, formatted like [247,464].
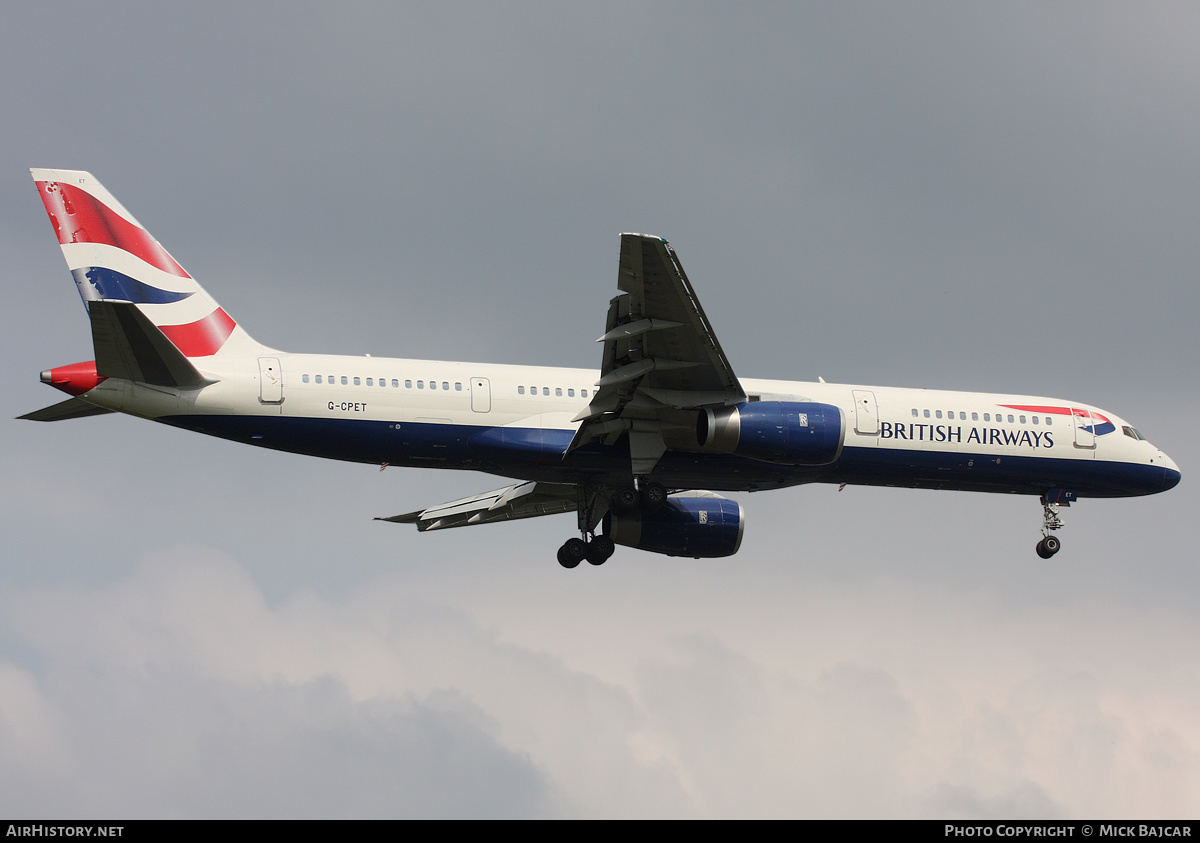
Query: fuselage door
[270,380]
[1085,428]
[481,395]
[866,413]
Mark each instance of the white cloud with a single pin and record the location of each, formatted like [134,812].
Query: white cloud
[181,692]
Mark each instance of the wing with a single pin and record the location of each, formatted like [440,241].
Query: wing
[660,356]
[524,500]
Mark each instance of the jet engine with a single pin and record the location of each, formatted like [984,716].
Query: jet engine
[698,525]
[789,432]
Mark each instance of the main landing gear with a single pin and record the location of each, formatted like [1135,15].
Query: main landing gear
[593,505]
[596,552]
[1049,545]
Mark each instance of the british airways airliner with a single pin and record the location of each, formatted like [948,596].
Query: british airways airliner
[638,451]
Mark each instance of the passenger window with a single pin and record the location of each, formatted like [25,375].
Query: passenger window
[344,381]
[457,386]
[446,385]
[520,390]
[304,378]
[545,390]
[357,382]
[395,384]
[1035,419]
[915,413]
[558,391]
[938,413]
[407,383]
[1049,420]
[370,382]
[987,416]
[1010,418]
[1022,420]
[318,378]
[570,393]
[433,384]
[420,384]
[926,414]
[974,416]
[583,393]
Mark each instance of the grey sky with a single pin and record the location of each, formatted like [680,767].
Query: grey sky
[993,198]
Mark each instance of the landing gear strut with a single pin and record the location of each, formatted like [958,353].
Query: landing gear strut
[595,549]
[592,506]
[1051,520]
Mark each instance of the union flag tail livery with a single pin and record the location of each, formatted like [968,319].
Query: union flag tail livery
[114,258]
[632,449]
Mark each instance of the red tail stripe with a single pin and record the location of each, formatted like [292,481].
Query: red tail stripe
[202,337]
[79,217]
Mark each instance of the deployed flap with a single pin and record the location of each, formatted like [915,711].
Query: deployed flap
[72,408]
[660,353]
[524,500]
[130,347]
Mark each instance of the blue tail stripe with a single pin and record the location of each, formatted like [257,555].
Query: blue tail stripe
[98,282]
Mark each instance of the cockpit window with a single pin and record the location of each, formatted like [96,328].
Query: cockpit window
[1132,433]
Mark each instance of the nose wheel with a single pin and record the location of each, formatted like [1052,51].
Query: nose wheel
[1048,546]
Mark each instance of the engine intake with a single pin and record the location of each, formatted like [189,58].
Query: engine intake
[790,432]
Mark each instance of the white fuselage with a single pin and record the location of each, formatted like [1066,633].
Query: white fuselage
[423,412]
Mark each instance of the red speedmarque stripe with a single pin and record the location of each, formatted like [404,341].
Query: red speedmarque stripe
[1061,411]
[202,337]
[79,217]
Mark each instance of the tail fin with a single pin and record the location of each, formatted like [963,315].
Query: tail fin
[114,258]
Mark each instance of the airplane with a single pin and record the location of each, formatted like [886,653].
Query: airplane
[639,451]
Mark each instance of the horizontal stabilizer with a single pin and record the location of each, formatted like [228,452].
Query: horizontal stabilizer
[72,408]
[524,500]
[130,347]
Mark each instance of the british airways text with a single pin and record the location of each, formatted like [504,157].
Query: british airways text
[954,433]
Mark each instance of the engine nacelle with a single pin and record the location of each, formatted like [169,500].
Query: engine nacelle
[707,527]
[790,432]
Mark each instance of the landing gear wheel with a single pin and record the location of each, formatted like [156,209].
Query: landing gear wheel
[1048,546]
[600,549]
[624,501]
[654,495]
[572,553]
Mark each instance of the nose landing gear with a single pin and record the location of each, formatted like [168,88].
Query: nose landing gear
[1049,545]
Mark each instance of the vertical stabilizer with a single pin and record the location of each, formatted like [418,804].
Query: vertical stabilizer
[114,258]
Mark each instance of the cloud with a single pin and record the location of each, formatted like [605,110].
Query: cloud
[180,691]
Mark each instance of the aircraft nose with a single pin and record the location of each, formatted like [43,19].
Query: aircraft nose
[1171,473]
